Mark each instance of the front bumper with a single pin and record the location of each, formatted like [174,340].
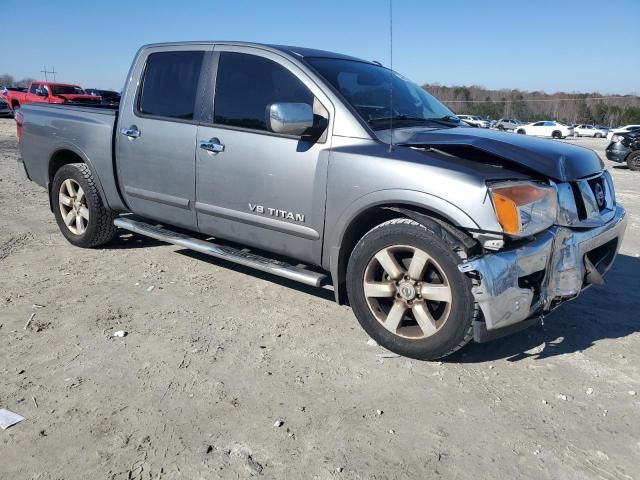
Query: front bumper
[533,279]
[616,152]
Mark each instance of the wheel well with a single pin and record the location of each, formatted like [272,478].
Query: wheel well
[359,226]
[58,160]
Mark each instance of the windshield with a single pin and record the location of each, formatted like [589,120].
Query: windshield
[366,86]
[67,90]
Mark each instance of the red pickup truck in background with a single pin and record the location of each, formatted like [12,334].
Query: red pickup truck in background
[47,92]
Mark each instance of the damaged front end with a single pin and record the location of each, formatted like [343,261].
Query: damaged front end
[534,275]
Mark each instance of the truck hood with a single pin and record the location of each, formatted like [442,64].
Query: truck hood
[559,161]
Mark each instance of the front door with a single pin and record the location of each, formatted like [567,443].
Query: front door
[264,189]
[156,135]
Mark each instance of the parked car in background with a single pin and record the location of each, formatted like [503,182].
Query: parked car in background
[109,97]
[625,129]
[508,124]
[584,130]
[546,128]
[475,120]
[625,147]
[48,92]
[4,108]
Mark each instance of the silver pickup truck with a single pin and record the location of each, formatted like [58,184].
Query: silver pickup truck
[338,173]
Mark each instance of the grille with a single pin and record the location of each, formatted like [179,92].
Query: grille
[594,197]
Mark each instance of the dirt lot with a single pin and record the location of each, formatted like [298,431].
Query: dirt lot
[216,354]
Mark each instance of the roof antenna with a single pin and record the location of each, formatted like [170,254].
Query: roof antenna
[391,75]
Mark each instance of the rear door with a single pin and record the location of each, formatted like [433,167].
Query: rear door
[265,189]
[157,134]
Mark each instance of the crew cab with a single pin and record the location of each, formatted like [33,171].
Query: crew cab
[48,92]
[299,163]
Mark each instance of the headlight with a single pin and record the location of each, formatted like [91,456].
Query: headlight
[524,208]
[616,138]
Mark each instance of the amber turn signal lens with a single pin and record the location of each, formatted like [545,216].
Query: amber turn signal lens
[507,213]
[506,201]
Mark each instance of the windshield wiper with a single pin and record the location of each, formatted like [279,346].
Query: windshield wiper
[397,118]
[449,120]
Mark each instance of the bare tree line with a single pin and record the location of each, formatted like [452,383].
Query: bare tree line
[569,108]
[7,80]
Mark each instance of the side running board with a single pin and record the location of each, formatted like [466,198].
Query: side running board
[241,257]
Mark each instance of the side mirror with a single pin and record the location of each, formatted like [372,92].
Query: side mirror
[290,118]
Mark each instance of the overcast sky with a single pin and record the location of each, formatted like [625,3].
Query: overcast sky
[577,45]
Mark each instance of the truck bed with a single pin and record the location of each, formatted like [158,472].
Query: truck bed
[63,130]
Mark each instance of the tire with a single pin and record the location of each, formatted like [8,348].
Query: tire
[633,161]
[521,131]
[597,135]
[447,324]
[556,134]
[91,222]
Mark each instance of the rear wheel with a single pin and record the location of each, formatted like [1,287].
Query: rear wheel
[406,290]
[81,216]
[521,131]
[598,135]
[556,134]
[633,161]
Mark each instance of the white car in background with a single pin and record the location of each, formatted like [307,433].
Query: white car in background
[624,129]
[589,131]
[474,120]
[546,128]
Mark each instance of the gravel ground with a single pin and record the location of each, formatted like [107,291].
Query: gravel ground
[226,373]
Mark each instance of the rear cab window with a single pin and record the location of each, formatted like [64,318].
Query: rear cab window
[170,84]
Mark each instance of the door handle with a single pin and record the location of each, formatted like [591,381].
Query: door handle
[212,146]
[131,132]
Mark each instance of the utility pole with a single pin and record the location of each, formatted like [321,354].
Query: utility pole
[47,72]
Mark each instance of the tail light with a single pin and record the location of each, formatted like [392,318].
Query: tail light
[19,120]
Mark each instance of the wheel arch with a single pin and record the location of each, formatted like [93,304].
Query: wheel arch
[65,155]
[358,221]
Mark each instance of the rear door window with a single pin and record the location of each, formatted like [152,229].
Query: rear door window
[246,84]
[170,83]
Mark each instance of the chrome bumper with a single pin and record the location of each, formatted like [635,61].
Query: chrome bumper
[562,262]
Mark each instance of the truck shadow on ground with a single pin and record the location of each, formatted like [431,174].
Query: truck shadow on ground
[300,287]
[610,311]
[126,240]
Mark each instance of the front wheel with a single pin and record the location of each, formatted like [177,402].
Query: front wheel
[633,161]
[81,216]
[521,131]
[598,135]
[407,293]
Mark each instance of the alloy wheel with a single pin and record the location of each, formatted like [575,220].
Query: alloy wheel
[73,206]
[407,291]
